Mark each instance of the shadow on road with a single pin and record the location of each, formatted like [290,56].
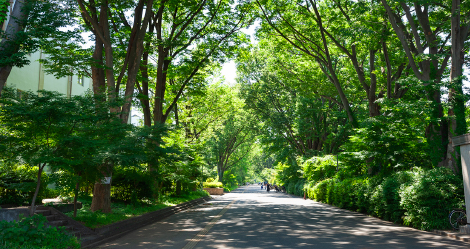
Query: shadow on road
[258,219]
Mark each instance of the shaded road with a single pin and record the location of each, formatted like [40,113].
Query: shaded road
[252,218]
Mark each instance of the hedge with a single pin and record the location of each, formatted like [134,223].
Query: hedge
[418,198]
[212,184]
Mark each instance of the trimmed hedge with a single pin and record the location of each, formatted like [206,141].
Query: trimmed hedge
[212,185]
[418,198]
[296,187]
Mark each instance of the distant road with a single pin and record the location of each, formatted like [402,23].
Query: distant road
[252,218]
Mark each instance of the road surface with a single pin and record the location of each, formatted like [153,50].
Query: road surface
[252,218]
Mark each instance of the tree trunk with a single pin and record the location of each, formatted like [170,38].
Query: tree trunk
[178,188]
[457,125]
[4,73]
[153,168]
[101,198]
[77,186]
[14,26]
[38,185]
[220,173]
[144,100]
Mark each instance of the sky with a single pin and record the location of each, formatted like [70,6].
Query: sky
[229,70]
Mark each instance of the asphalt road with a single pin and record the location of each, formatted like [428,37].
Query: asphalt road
[252,218]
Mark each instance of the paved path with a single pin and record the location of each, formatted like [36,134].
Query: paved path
[252,218]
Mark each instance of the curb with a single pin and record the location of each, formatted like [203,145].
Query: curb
[121,228]
[453,235]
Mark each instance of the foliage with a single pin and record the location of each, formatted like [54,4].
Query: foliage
[212,185]
[51,129]
[393,141]
[420,198]
[44,21]
[18,183]
[319,168]
[33,232]
[430,197]
[230,179]
[131,184]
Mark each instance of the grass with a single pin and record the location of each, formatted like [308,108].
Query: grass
[122,211]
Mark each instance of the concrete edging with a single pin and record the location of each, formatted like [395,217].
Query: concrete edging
[452,235]
[113,231]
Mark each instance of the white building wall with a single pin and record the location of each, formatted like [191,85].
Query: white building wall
[32,78]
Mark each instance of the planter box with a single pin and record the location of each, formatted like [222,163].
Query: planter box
[215,191]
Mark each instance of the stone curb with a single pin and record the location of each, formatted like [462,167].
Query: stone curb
[453,235]
[116,230]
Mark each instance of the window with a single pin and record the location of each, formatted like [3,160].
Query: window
[81,80]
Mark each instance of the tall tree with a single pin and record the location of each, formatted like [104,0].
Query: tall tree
[189,35]
[28,26]
[99,18]
[307,118]
[231,143]
[424,37]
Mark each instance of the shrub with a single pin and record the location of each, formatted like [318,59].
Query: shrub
[299,187]
[131,184]
[296,187]
[210,179]
[319,168]
[430,197]
[419,198]
[344,196]
[212,185]
[32,232]
[320,191]
[18,183]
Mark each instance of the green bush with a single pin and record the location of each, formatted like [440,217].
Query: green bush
[131,184]
[430,197]
[296,187]
[319,168]
[33,232]
[320,191]
[418,198]
[18,183]
[212,185]
[344,196]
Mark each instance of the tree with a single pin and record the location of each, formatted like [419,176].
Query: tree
[307,118]
[231,142]
[50,129]
[100,18]
[190,37]
[424,38]
[29,26]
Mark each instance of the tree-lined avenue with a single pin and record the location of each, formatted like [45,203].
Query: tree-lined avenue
[257,219]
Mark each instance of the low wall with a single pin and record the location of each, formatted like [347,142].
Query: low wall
[11,214]
[65,207]
[118,229]
[215,191]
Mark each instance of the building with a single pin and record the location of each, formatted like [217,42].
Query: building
[32,78]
